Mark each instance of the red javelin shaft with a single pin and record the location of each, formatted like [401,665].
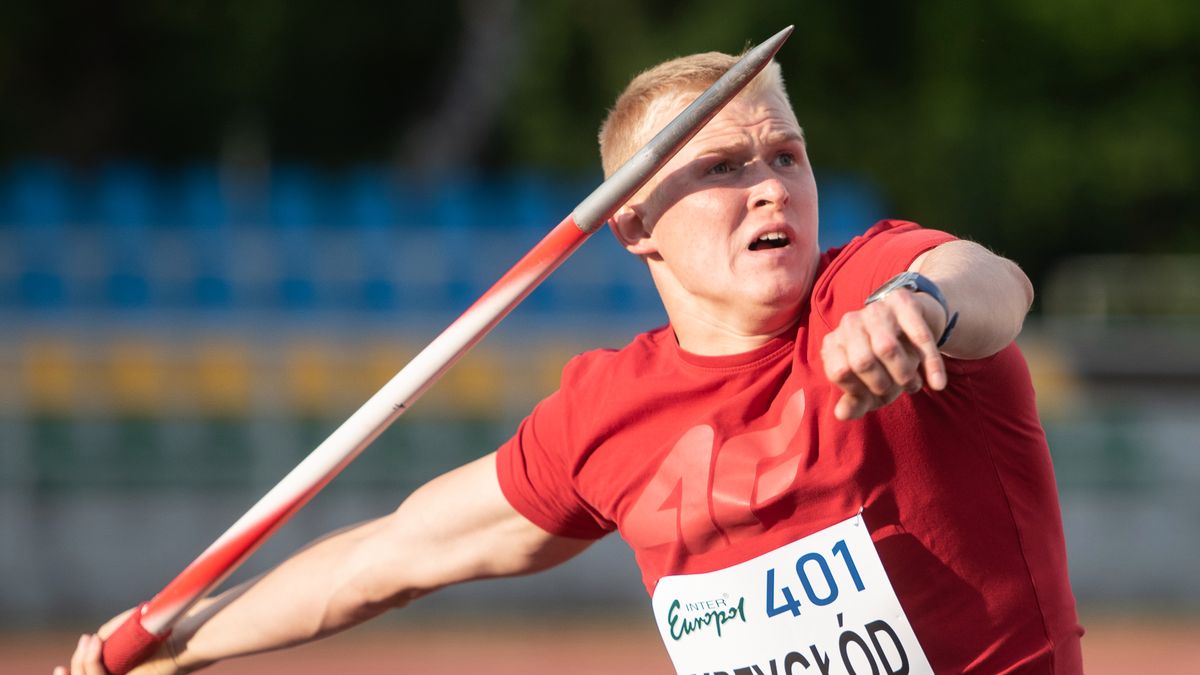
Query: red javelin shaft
[151,622]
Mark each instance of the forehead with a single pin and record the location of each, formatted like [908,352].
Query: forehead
[748,123]
[764,116]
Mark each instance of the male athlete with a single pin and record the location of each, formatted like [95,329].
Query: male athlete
[824,463]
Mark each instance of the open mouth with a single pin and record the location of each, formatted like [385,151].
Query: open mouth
[769,240]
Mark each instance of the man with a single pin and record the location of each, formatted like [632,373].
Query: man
[852,466]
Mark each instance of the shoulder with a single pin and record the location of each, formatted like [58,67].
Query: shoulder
[594,386]
[602,367]
[883,235]
[847,274]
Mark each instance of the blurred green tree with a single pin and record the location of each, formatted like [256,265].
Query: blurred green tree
[1039,128]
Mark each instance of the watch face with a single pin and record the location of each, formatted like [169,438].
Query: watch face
[903,280]
[907,280]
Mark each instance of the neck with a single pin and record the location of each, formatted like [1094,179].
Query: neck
[709,334]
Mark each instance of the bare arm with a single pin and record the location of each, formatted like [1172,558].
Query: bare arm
[990,293]
[455,528]
[890,347]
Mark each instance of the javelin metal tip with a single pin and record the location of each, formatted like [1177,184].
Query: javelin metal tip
[773,43]
[599,206]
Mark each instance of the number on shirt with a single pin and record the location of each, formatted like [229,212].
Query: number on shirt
[812,566]
[792,605]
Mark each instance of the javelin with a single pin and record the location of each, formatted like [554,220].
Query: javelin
[151,622]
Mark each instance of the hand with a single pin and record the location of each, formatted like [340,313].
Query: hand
[880,351]
[86,659]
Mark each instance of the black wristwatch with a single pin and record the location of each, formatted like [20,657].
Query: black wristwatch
[917,284]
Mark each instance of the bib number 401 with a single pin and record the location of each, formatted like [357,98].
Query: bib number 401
[810,567]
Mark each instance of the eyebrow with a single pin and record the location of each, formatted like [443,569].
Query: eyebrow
[773,138]
[786,136]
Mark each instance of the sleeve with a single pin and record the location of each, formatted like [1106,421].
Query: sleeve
[537,472]
[864,264]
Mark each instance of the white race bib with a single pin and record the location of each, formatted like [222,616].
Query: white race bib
[822,604]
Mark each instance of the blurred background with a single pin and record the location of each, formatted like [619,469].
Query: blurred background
[223,225]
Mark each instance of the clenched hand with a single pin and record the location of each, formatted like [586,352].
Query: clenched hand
[883,350]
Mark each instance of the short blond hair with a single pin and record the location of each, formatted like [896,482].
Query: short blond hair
[629,123]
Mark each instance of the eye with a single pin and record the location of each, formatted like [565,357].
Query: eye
[785,159]
[722,167]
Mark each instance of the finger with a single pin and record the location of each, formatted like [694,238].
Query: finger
[113,624]
[77,656]
[91,658]
[891,396]
[852,407]
[916,330]
[856,399]
[59,670]
[833,358]
[898,356]
[863,361]
[916,384]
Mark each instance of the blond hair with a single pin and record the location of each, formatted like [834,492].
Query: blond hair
[630,122]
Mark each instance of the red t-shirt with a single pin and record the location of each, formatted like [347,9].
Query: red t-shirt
[705,462]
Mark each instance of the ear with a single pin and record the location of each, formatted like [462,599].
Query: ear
[630,229]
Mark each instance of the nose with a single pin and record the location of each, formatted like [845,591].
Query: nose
[767,189]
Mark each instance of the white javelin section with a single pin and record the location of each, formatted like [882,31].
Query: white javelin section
[369,421]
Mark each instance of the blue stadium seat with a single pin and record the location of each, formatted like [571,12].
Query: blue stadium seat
[370,213]
[848,206]
[369,199]
[39,198]
[125,208]
[455,219]
[415,247]
[296,209]
[204,212]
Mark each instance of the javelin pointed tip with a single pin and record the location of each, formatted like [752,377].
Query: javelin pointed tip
[776,41]
[625,181]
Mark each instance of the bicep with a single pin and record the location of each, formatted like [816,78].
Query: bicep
[460,527]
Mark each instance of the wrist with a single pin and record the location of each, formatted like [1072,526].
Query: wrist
[177,653]
[921,286]
[935,317]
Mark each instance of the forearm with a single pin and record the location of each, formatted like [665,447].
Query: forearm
[455,528]
[991,295]
[323,589]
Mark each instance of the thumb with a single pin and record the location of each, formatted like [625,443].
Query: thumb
[113,624]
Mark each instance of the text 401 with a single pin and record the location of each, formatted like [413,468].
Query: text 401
[808,567]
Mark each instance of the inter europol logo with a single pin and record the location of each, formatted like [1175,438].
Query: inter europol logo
[686,618]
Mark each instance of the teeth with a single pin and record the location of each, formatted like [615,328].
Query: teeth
[769,240]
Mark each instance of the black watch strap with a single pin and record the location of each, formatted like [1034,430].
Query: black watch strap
[917,283]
